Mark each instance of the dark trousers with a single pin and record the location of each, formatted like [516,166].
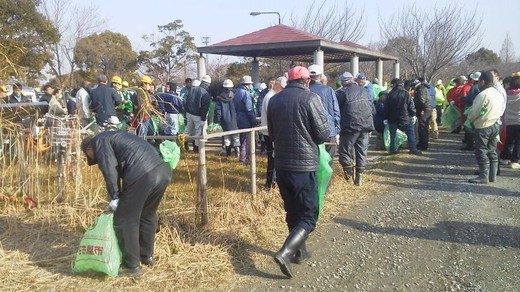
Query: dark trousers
[135,219]
[269,176]
[331,149]
[423,131]
[486,144]
[406,127]
[439,114]
[299,191]
[353,149]
[512,146]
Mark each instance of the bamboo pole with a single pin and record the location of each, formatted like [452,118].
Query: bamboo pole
[202,183]
[252,161]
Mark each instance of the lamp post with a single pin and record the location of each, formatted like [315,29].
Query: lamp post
[268,12]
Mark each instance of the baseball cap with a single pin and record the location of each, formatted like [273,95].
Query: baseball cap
[298,72]
[361,76]
[315,70]
[346,77]
[282,81]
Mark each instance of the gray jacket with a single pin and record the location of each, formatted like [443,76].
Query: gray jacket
[356,108]
[297,123]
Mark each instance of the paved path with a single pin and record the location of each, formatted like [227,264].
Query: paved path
[429,231]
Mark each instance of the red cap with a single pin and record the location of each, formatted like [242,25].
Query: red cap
[298,72]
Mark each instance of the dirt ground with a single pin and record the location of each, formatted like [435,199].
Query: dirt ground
[431,231]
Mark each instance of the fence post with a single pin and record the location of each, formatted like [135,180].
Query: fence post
[252,160]
[202,183]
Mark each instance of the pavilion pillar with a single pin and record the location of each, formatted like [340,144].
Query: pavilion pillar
[354,65]
[318,58]
[396,69]
[255,70]
[201,66]
[379,71]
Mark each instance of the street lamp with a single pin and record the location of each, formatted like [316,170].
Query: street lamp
[269,12]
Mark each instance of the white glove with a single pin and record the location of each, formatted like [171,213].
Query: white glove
[337,139]
[414,120]
[385,122]
[113,204]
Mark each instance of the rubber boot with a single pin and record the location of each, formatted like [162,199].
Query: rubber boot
[301,255]
[228,150]
[293,242]
[348,172]
[493,170]
[195,147]
[483,177]
[358,178]
[237,151]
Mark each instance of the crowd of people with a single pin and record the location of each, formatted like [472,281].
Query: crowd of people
[300,112]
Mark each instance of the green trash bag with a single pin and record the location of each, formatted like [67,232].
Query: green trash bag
[182,123]
[400,138]
[324,176]
[170,153]
[467,123]
[98,249]
[450,118]
[211,112]
[214,128]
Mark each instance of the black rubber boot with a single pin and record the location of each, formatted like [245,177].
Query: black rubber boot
[293,242]
[483,177]
[301,255]
[348,172]
[237,151]
[493,170]
[358,178]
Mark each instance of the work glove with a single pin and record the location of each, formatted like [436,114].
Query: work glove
[414,120]
[385,122]
[337,139]
[113,204]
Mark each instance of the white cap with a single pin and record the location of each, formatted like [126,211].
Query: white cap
[206,78]
[262,86]
[195,82]
[282,81]
[315,70]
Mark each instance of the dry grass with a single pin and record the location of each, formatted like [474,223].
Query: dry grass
[38,245]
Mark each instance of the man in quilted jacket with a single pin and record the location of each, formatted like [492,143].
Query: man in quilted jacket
[297,123]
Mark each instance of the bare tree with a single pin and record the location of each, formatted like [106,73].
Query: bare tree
[337,23]
[507,52]
[73,23]
[429,40]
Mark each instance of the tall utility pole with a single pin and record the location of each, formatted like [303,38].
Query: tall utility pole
[206,40]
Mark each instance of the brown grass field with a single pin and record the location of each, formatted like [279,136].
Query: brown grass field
[38,244]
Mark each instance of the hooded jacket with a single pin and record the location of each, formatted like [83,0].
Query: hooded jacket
[246,117]
[297,123]
[225,113]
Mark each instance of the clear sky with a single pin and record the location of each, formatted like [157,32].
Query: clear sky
[224,19]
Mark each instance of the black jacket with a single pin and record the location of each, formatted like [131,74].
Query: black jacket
[399,106]
[421,98]
[225,113]
[356,108]
[297,123]
[123,158]
[104,100]
[197,101]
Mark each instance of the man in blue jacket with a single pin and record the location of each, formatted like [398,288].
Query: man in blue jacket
[330,104]
[171,106]
[246,117]
[103,102]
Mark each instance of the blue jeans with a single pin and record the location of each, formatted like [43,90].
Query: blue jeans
[406,127]
[299,191]
[171,126]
